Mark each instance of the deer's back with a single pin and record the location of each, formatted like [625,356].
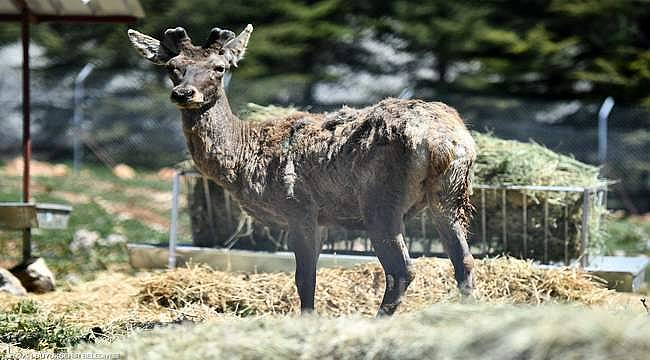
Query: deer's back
[338,160]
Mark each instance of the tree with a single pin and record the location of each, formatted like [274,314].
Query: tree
[552,48]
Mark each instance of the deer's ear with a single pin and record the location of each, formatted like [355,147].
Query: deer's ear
[235,49]
[150,48]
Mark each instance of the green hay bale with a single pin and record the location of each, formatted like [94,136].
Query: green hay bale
[507,162]
[259,113]
[516,163]
[449,331]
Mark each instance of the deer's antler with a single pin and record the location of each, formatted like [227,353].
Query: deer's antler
[176,40]
[218,38]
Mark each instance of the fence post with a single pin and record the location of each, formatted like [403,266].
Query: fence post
[603,115]
[584,236]
[172,230]
[77,117]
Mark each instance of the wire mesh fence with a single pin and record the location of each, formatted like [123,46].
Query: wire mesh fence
[128,118]
[140,127]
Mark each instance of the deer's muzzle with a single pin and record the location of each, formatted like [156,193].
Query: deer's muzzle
[187,97]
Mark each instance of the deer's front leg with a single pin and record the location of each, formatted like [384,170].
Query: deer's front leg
[304,240]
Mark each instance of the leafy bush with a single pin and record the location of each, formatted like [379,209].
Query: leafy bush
[27,327]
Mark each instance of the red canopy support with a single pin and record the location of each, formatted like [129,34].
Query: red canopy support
[26,17]
[27,138]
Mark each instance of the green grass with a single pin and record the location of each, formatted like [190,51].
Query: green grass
[628,236]
[93,187]
[27,327]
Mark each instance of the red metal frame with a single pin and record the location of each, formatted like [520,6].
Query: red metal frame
[34,18]
[26,17]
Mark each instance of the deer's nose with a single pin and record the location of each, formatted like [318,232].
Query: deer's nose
[182,94]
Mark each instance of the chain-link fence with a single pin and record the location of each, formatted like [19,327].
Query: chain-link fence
[571,127]
[128,118]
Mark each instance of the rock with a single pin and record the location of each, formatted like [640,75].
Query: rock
[113,239]
[73,279]
[166,173]
[84,240]
[35,275]
[9,283]
[123,171]
[36,168]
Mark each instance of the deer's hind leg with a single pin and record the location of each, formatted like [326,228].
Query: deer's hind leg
[304,241]
[451,209]
[385,227]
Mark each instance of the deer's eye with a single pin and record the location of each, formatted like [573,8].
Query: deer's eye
[220,68]
[175,73]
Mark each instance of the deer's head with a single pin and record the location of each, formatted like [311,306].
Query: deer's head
[195,71]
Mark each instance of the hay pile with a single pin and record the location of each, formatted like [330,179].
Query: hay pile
[107,302]
[511,162]
[449,331]
[259,113]
[116,304]
[358,290]
[506,162]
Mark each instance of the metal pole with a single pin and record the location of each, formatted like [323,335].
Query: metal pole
[525,223]
[208,205]
[172,230]
[486,248]
[584,236]
[603,115]
[79,92]
[546,234]
[504,224]
[27,141]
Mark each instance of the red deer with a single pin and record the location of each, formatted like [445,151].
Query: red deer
[364,168]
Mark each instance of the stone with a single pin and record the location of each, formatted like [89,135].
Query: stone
[9,283]
[113,239]
[35,276]
[124,171]
[166,173]
[84,239]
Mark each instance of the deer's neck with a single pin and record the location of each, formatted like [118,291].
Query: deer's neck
[215,137]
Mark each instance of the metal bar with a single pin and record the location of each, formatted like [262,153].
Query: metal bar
[504,229]
[539,188]
[172,231]
[81,18]
[525,223]
[566,235]
[546,229]
[27,140]
[77,116]
[579,189]
[584,236]
[603,115]
[227,204]
[208,205]
[427,249]
[10,17]
[486,248]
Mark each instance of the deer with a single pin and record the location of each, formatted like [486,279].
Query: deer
[362,169]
